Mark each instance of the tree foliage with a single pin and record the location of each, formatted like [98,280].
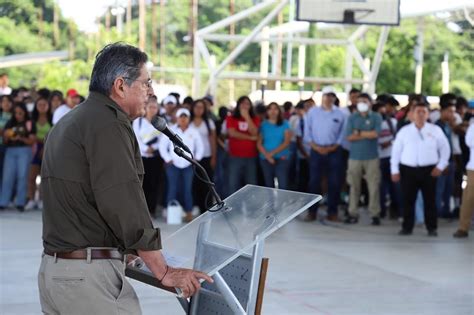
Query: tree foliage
[22,32]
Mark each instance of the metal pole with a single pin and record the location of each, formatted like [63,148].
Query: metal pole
[419,56]
[228,295]
[141,25]
[378,58]
[289,48]
[154,30]
[249,38]
[359,60]
[162,40]
[445,73]
[235,18]
[196,60]
[298,40]
[349,69]
[129,17]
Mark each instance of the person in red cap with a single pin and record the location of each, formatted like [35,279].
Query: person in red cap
[72,100]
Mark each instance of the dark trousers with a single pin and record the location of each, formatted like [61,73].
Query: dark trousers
[200,189]
[153,182]
[412,180]
[303,175]
[220,174]
[332,165]
[388,187]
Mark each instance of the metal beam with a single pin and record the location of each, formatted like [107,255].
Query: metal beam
[228,295]
[359,32]
[378,57]
[258,38]
[257,76]
[32,58]
[359,60]
[235,18]
[231,57]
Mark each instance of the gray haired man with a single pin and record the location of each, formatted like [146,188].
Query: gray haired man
[94,207]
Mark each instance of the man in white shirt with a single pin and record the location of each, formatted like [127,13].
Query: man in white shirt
[467,207]
[179,171]
[420,154]
[72,99]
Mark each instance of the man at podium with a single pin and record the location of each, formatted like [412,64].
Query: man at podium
[94,207]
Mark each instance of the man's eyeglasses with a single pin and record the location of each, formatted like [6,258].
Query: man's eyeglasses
[147,83]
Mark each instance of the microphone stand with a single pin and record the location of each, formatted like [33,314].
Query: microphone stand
[220,204]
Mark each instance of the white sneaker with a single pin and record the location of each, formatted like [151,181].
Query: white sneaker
[30,205]
[40,205]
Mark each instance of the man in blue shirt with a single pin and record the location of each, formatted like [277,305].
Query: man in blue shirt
[324,131]
[363,128]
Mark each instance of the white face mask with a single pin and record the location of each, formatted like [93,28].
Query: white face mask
[30,107]
[362,107]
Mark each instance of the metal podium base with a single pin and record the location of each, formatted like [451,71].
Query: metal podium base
[235,286]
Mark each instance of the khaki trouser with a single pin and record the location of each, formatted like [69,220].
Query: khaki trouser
[467,207]
[70,286]
[355,172]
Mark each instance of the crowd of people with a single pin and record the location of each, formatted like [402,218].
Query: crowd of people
[405,163]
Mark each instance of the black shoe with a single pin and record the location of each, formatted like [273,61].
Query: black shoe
[432,233]
[460,234]
[404,232]
[375,221]
[351,220]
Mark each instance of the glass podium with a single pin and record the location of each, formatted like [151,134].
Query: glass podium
[228,245]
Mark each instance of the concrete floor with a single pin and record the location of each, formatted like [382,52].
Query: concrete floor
[315,268]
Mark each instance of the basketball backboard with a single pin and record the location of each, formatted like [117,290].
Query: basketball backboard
[377,12]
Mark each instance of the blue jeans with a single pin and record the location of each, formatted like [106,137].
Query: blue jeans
[293,167]
[220,172]
[242,171]
[15,169]
[331,163]
[2,156]
[180,186]
[279,170]
[444,189]
[419,206]
[387,187]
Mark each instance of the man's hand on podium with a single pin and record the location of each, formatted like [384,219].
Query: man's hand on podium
[186,280]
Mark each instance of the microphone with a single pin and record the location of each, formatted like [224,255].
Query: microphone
[160,124]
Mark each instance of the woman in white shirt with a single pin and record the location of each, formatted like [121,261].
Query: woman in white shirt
[207,131]
[148,140]
[467,207]
[179,171]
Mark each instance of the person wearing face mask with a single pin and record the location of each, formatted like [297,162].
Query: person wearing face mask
[363,129]
[420,154]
